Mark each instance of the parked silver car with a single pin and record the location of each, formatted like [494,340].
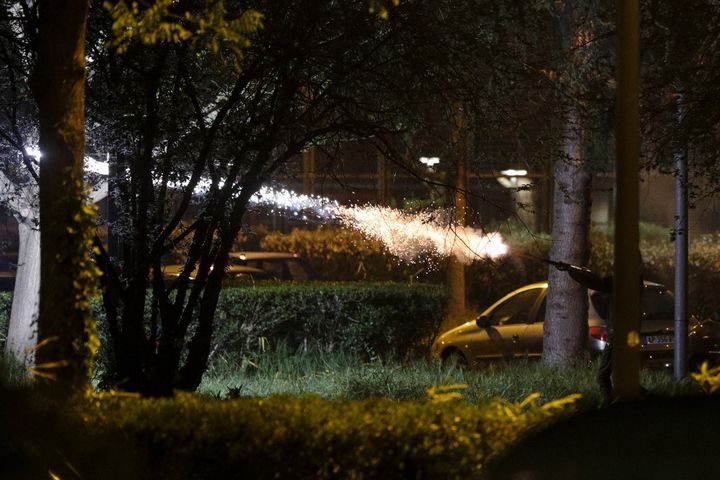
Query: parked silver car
[248,267]
[513,328]
[277,265]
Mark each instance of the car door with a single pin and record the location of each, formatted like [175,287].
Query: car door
[508,322]
[531,342]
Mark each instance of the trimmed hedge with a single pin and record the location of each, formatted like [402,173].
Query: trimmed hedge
[371,320]
[188,437]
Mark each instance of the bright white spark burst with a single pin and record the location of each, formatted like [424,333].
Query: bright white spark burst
[298,204]
[406,235]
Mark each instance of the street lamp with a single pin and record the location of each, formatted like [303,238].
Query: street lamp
[513,173]
[512,178]
[430,161]
[519,185]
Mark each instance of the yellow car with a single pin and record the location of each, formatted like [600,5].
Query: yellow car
[513,328]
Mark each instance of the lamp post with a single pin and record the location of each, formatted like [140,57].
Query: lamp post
[681,254]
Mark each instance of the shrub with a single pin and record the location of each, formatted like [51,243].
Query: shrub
[373,320]
[487,281]
[112,436]
[658,255]
[341,254]
[381,320]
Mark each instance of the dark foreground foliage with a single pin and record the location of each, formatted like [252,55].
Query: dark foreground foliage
[110,436]
[660,438]
[190,437]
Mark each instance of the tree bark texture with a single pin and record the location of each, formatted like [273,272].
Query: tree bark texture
[58,86]
[455,268]
[21,199]
[22,329]
[566,331]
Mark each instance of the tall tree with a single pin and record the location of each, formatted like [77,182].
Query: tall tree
[19,195]
[19,172]
[565,333]
[65,327]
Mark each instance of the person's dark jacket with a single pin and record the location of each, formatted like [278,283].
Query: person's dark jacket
[601,285]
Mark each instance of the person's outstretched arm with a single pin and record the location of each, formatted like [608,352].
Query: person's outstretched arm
[585,277]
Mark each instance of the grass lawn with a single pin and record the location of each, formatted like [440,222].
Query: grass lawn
[343,376]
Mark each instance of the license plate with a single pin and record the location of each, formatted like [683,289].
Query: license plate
[658,339]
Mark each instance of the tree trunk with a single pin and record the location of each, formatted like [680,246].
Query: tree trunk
[22,330]
[190,375]
[455,268]
[58,86]
[566,331]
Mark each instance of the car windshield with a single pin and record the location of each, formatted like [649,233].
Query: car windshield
[282,268]
[516,309]
[656,303]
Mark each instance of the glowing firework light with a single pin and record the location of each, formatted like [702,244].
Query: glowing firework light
[299,205]
[406,235]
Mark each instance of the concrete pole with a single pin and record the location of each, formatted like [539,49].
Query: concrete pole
[681,254]
[626,286]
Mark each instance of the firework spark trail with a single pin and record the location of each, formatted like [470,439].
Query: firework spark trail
[406,235]
[299,204]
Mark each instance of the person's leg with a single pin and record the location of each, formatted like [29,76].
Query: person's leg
[604,377]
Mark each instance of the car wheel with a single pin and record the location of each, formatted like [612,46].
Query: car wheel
[454,358]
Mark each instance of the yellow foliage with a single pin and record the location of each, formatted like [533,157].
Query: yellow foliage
[708,378]
[210,28]
[507,419]
[380,8]
[376,438]
[633,339]
[445,393]
[562,403]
